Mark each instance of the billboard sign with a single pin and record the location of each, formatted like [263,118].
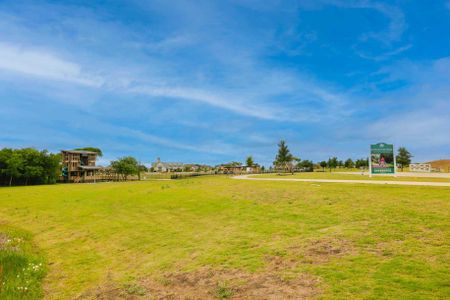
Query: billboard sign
[382,159]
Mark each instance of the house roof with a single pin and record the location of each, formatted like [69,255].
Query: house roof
[168,164]
[79,152]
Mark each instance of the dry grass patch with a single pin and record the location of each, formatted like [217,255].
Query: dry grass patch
[323,250]
[207,283]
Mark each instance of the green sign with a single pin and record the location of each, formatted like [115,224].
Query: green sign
[382,159]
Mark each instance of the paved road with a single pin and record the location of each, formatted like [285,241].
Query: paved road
[392,182]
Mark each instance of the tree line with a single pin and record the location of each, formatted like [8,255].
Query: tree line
[287,162]
[28,166]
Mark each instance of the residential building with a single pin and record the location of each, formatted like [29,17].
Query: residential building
[159,166]
[79,166]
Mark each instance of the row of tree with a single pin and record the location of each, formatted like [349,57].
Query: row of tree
[334,163]
[285,161]
[28,166]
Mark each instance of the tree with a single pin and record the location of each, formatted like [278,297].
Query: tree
[125,166]
[403,157]
[349,163]
[250,162]
[14,166]
[33,168]
[323,164]
[28,166]
[92,149]
[143,168]
[362,163]
[51,165]
[332,163]
[284,157]
[306,165]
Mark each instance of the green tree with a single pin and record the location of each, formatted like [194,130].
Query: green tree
[332,163]
[306,165]
[125,166]
[403,157]
[143,168]
[284,157]
[362,163]
[349,163]
[323,164]
[51,166]
[92,149]
[33,169]
[14,166]
[250,161]
[28,166]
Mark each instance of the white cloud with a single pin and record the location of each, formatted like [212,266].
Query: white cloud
[427,128]
[385,55]
[43,64]
[397,24]
[210,98]
[253,100]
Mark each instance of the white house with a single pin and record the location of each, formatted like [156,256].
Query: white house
[159,166]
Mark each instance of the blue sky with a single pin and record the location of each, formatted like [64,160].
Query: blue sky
[215,81]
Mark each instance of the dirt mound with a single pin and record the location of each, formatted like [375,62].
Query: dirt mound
[443,164]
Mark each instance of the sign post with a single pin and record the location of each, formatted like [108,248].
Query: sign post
[382,159]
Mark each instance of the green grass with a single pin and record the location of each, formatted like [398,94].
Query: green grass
[338,175]
[157,176]
[397,238]
[22,266]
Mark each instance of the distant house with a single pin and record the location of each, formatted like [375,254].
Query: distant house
[420,167]
[159,166]
[231,168]
[79,166]
[253,169]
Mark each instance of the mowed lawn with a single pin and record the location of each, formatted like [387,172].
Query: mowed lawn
[136,238]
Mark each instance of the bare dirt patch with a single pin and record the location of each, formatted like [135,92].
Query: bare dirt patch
[232,284]
[209,283]
[3,240]
[323,250]
[278,280]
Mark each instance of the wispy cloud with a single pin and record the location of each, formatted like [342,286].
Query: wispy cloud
[247,102]
[397,24]
[228,103]
[43,64]
[385,55]
[220,79]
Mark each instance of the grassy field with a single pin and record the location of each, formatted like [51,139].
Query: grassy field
[22,266]
[222,238]
[338,175]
